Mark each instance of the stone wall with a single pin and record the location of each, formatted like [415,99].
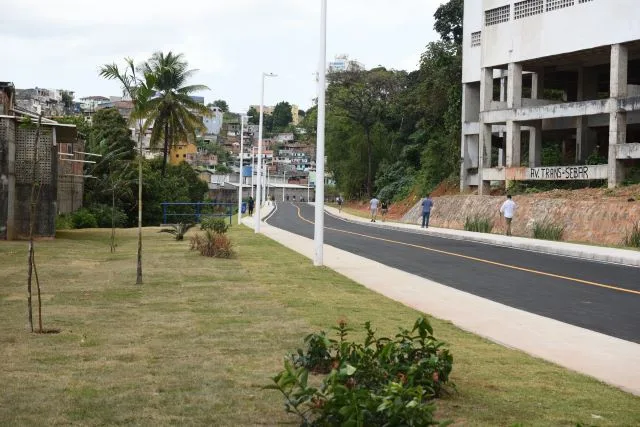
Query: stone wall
[600,221]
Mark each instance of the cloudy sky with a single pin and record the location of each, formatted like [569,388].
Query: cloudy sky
[61,44]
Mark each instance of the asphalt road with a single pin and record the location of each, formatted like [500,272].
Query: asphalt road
[597,296]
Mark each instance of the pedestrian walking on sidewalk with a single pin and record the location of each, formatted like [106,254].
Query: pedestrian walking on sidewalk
[508,209]
[373,207]
[251,204]
[427,205]
[339,202]
[384,209]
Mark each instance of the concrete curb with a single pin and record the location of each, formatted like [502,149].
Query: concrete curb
[574,250]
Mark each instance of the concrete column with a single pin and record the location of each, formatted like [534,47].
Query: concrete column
[513,144]
[514,85]
[486,88]
[619,66]
[503,86]
[535,144]
[484,156]
[586,139]
[617,136]
[536,85]
[617,119]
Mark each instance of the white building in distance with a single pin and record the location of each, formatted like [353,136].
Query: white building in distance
[544,73]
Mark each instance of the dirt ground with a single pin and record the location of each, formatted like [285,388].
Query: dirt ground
[621,194]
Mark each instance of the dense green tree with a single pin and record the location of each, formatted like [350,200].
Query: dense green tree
[174,114]
[178,184]
[254,116]
[109,130]
[401,129]
[365,98]
[221,104]
[281,115]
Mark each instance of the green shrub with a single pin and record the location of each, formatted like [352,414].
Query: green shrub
[212,244]
[64,222]
[632,239]
[478,223]
[103,214]
[218,225]
[548,230]
[382,381]
[178,230]
[83,218]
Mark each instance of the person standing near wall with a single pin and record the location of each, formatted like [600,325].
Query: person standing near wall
[251,205]
[373,206]
[427,205]
[384,209]
[508,209]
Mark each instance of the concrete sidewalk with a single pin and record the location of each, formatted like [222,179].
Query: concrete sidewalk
[596,253]
[608,359]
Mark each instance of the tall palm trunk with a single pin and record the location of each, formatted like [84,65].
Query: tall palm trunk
[139,267]
[166,147]
[367,132]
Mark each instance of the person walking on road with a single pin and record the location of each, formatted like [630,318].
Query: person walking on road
[373,206]
[427,205]
[508,209]
[251,205]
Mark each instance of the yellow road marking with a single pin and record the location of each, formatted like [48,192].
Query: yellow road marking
[486,261]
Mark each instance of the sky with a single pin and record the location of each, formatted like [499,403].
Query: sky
[61,44]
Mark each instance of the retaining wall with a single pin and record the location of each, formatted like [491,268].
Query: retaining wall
[592,221]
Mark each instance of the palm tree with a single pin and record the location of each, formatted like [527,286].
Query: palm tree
[174,114]
[140,91]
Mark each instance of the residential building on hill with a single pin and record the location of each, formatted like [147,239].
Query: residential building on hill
[343,63]
[559,75]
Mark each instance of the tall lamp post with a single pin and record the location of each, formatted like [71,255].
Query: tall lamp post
[257,218]
[318,232]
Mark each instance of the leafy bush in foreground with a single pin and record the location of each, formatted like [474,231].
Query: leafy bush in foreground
[212,244]
[83,218]
[218,225]
[380,382]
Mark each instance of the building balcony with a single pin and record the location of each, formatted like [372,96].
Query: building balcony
[560,110]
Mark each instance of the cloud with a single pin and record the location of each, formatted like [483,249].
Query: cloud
[61,44]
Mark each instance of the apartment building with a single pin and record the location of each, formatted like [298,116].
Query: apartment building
[538,73]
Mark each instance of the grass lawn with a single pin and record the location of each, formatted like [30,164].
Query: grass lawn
[195,344]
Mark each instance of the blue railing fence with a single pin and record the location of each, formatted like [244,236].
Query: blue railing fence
[195,211]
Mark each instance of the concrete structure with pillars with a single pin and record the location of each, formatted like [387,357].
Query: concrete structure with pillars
[553,76]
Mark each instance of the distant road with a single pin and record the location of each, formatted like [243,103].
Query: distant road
[593,295]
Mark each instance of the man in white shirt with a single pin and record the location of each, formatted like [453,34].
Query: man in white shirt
[373,205]
[507,209]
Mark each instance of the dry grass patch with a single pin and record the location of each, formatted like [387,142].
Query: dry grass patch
[195,343]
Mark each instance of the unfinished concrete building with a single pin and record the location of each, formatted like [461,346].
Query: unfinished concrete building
[58,169]
[550,73]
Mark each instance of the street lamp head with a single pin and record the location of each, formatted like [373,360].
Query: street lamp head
[269,75]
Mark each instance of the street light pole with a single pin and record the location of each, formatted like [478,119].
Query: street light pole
[318,232]
[284,182]
[257,218]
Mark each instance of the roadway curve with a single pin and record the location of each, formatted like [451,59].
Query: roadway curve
[593,295]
